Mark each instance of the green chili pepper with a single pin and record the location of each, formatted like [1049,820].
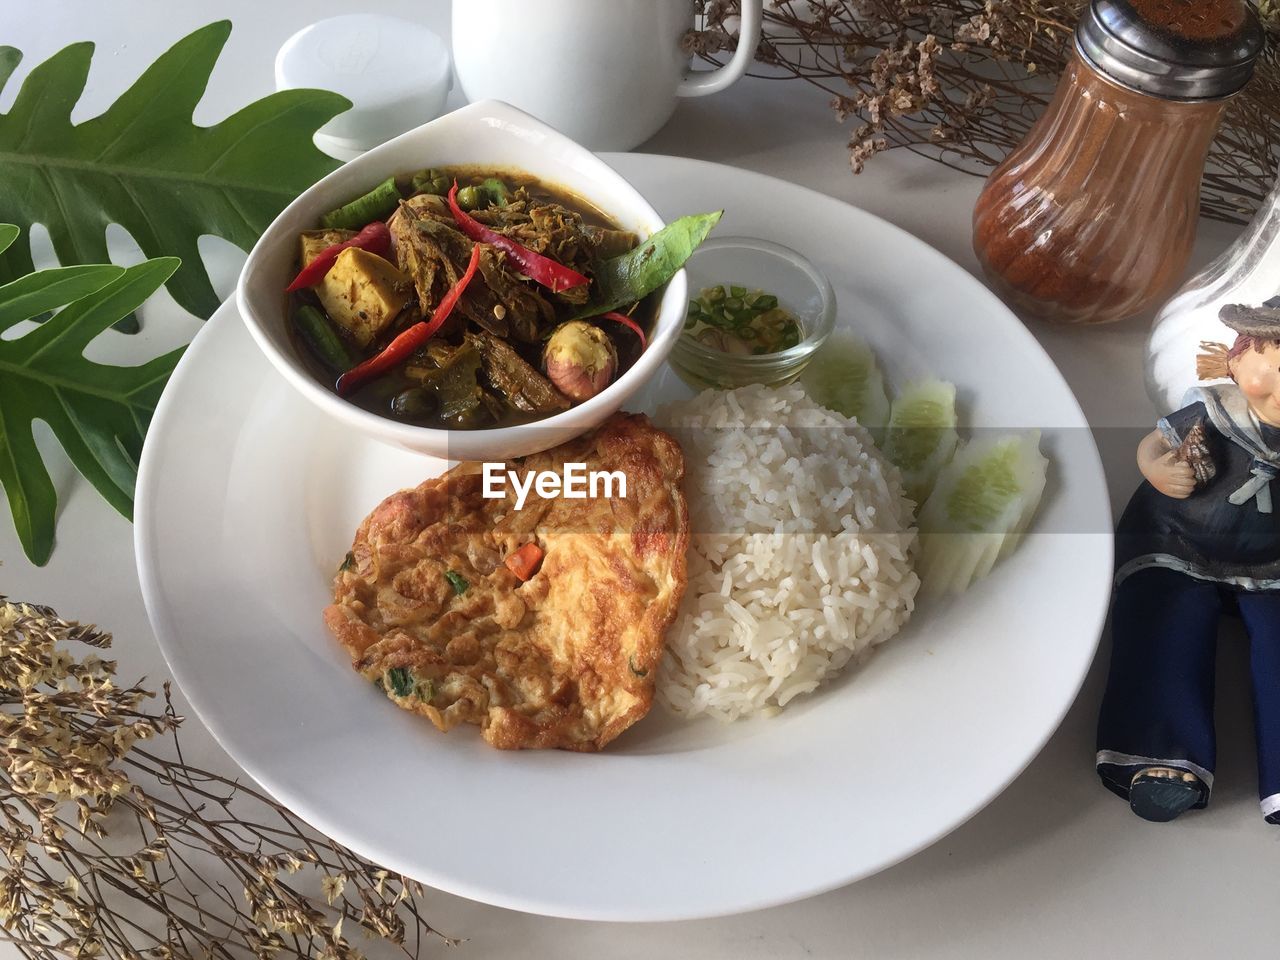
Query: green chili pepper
[457,581]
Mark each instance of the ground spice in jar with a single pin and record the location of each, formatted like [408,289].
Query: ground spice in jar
[1093,217]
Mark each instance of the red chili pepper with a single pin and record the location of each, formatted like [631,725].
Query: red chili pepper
[626,321]
[375,238]
[399,349]
[554,276]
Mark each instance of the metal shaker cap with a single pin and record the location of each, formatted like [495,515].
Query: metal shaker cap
[1173,49]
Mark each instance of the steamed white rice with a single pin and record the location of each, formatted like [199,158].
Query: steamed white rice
[800,554]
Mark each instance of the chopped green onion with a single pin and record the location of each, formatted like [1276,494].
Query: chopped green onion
[457,581]
[401,681]
[751,321]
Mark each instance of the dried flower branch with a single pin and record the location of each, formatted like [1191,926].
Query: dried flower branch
[961,81]
[194,864]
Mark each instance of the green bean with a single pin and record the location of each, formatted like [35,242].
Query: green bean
[320,336]
[377,204]
[737,291]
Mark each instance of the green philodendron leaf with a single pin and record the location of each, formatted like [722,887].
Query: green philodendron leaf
[144,165]
[99,413]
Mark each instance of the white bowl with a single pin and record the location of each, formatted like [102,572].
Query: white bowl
[489,133]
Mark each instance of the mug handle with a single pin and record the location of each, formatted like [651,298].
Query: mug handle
[701,83]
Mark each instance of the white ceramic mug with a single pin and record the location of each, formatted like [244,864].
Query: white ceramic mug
[605,72]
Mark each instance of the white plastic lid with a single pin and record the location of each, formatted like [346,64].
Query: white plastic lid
[396,73]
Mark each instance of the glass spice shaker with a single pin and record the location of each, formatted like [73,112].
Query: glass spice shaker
[1246,272]
[1092,217]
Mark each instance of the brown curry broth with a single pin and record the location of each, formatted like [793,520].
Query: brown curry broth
[376,395]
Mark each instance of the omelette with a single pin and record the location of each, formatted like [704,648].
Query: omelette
[544,625]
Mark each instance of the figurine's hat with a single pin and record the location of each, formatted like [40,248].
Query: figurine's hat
[1262,322]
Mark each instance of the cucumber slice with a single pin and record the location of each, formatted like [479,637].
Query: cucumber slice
[921,437]
[982,502]
[844,376]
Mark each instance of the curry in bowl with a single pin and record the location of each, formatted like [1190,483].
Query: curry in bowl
[467,298]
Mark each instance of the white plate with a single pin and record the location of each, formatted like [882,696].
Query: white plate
[248,499]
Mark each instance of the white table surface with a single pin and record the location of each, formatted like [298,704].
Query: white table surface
[1055,867]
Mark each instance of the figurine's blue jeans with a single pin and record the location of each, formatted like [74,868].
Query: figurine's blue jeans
[1158,708]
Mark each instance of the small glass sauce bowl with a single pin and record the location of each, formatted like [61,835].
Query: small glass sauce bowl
[756,265]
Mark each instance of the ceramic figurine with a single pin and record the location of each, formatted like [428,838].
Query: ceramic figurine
[1199,539]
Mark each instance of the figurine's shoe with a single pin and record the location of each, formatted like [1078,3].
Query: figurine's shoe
[1273,818]
[1161,795]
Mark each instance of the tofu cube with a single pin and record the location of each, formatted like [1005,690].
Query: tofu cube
[363,293]
[312,242]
